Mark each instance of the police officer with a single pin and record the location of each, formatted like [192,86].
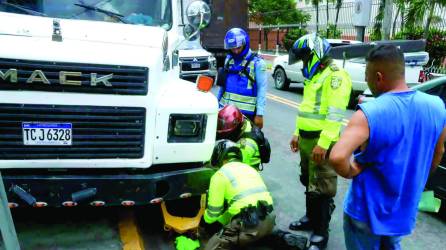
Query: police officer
[239,188]
[232,125]
[326,95]
[243,79]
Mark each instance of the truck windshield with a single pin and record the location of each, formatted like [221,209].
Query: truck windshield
[138,12]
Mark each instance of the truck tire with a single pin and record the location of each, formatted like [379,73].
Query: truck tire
[280,79]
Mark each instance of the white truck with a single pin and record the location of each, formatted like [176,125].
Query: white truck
[92,110]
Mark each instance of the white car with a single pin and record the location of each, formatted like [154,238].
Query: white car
[195,61]
[284,74]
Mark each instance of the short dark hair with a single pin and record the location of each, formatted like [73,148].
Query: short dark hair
[388,54]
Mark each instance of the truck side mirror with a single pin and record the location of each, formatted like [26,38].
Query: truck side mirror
[198,15]
[189,32]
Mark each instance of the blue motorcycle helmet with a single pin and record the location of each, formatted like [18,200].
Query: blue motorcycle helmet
[236,38]
[310,49]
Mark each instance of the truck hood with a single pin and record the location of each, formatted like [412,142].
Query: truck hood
[81,30]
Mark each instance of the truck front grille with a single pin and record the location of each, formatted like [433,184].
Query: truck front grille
[98,132]
[72,77]
[186,63]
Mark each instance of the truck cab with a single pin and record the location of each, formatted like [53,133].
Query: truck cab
[93,111]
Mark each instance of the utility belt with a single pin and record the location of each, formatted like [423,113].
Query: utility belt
[309,134]
[251,216]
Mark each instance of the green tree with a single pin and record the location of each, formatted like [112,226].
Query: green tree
[418,10]
[328,17]
[268,12]
[338,8]
[376,32]
[401,6]
[315,3]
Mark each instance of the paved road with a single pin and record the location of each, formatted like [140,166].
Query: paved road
[93,228]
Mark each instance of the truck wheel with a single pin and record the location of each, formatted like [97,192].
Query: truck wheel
[280,80]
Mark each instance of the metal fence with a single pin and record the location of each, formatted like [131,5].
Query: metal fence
[345,19]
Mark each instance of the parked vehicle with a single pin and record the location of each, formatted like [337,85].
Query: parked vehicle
[437,181]
[195,61]
[431,72]
[285,74]
[92,109]
[227,14]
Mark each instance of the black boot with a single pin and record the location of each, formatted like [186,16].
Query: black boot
[324,209]
[304,223]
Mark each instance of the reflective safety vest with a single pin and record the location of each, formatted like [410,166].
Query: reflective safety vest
[249,147]
[325,100]
[236,185]
[239,89]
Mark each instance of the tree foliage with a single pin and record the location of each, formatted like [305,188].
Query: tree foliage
[291,36]
[268,12]
[435,44]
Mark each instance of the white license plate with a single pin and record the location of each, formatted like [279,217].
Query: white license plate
[195,65]
[47,134]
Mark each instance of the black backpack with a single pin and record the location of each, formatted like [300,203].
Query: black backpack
[264,147]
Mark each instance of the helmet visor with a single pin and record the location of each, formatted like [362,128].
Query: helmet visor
[298,54]
[233,43]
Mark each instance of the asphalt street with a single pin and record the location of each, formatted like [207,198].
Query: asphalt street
[99,228]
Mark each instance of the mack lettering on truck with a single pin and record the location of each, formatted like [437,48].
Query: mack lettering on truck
[65,78]
[50,76]
[11,74]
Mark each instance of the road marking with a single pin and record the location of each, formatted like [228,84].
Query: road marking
[293,104]
[128,230]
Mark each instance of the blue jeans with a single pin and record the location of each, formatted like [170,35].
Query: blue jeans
[359,236]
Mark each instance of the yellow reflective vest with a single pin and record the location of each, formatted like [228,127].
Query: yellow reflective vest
[249,147]
[325,100]
[235,185]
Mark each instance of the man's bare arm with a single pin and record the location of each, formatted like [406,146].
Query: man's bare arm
[355,134]
[439,150]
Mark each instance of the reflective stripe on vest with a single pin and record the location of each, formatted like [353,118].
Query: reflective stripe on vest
[214,211]
[250,144]
[316,105]
[247,103]
[227,173]
[247,193]
[312,115]
[318,99]
[335,114]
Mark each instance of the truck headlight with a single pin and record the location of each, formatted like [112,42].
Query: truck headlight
[212,63]
[186,128]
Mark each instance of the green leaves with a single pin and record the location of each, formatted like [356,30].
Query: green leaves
[269,12]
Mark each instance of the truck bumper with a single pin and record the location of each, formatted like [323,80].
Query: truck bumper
[105,189]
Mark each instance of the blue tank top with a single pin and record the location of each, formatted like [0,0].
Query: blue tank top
[404,129]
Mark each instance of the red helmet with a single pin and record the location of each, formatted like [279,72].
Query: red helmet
[230,119]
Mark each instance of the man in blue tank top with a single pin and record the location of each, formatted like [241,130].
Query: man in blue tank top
[397,140]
